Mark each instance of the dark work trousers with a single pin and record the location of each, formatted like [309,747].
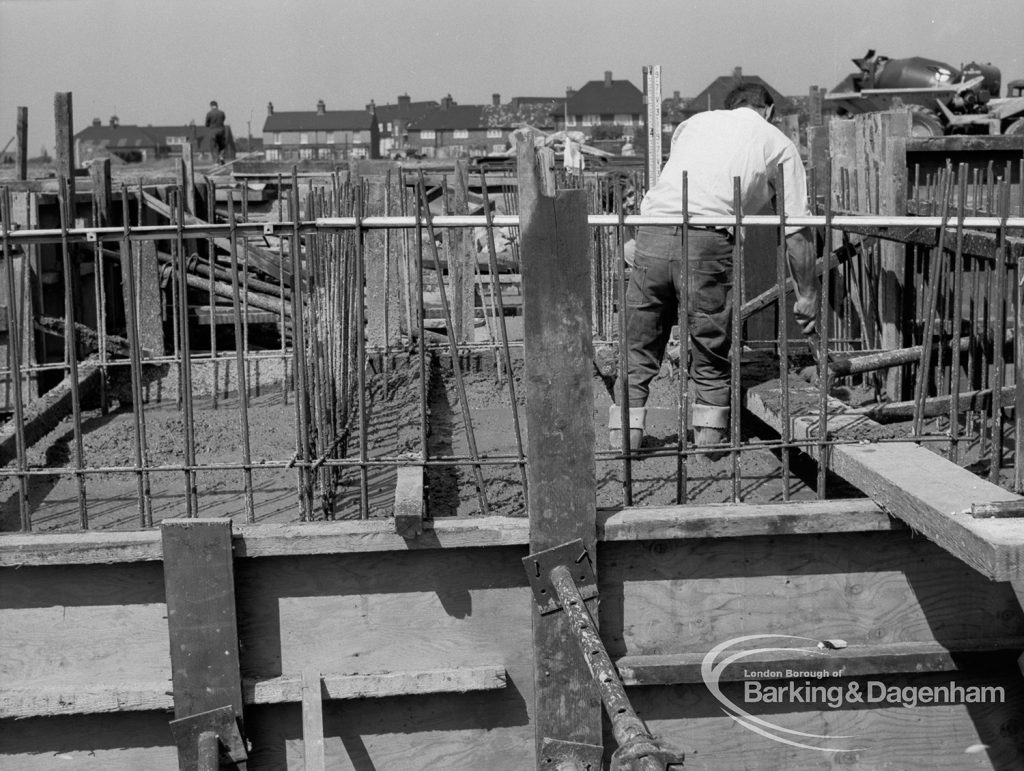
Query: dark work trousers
[652,308]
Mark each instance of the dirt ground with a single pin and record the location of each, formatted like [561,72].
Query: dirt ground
[393,429]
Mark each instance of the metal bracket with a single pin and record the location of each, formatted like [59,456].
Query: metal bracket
[268,228]
[538,570]
[221,721]
[91,237]
[571,756]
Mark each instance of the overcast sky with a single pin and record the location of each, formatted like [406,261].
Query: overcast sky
[162,61]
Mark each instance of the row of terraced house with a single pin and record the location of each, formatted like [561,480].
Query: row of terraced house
[608,109]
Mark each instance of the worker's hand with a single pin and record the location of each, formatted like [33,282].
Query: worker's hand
[805,310]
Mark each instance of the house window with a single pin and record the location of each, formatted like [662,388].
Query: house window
[273,155]
[176,140]
[325,153]
[625,120]
[497,148]
[306,153]
[460,134]
[359,152]
[390,127]
[303,138]
[329,138]
[570,120]
[275,138]
[591,120]
[494,133]
[427,134]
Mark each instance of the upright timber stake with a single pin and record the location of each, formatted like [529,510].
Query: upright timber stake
[561,497]
[553,575]
[199,583]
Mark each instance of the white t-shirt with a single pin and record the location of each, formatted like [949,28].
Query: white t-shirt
[713,147]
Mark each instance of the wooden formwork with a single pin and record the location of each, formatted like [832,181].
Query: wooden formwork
[347,645]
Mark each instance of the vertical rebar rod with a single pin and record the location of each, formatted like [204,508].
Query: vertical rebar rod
[243,386]
[823,335]
[131,303]
[683,394]
[1018,363]
[955,316]
[627,454]
[211,249]
[71,347]
[172,207]
[185,362]
[937,257]
[454,352]
[14,357]
[781,274]
[999,341]
[737,339]
[282,262]
[299,351]
[492,261]
[360,334]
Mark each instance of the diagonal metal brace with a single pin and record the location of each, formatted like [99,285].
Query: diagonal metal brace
[539,565]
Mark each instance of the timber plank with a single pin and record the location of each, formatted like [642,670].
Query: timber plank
[356,536]
[90,697]
[931,494]
[201,617]
[854,661]
[561,484]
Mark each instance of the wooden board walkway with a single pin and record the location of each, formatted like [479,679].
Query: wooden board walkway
[929,493]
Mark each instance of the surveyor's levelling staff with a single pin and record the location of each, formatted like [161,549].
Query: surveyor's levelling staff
[712,148]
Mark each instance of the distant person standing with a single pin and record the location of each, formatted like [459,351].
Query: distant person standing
[215,120]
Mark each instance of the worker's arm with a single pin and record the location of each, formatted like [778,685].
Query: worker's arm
[800,252]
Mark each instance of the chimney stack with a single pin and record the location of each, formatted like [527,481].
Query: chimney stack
[114,122]
[570,92]
[97,122]
[447,102]
[371,107]
[270,108]
[321,108]
[675,96]
[404,101]
[607,78]
[737,73]
[496,100]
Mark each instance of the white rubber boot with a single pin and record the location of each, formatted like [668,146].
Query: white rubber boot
[710,429]
[637,418]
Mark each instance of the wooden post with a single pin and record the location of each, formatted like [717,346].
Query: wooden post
[381,256]
[312,721]
[22,142]
[99,172]
[463,267]
[199,583]
[188,163]
[561,497]
[64,121]
[814,106]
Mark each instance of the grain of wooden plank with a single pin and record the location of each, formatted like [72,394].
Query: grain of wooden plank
[63,118]
[854,661]
[561,486]
[202,623]
[931,494]
[84,696]
[355,536]
[312,721]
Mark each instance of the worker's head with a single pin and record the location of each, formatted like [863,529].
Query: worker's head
[752,95]
[213,104]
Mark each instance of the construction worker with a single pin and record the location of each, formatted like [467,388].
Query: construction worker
[215,120]
[712,148]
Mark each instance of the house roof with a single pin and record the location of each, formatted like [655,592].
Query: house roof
[454,116]
[311,120]
[618,97]
[404,111]
[713,96]
[117,136]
